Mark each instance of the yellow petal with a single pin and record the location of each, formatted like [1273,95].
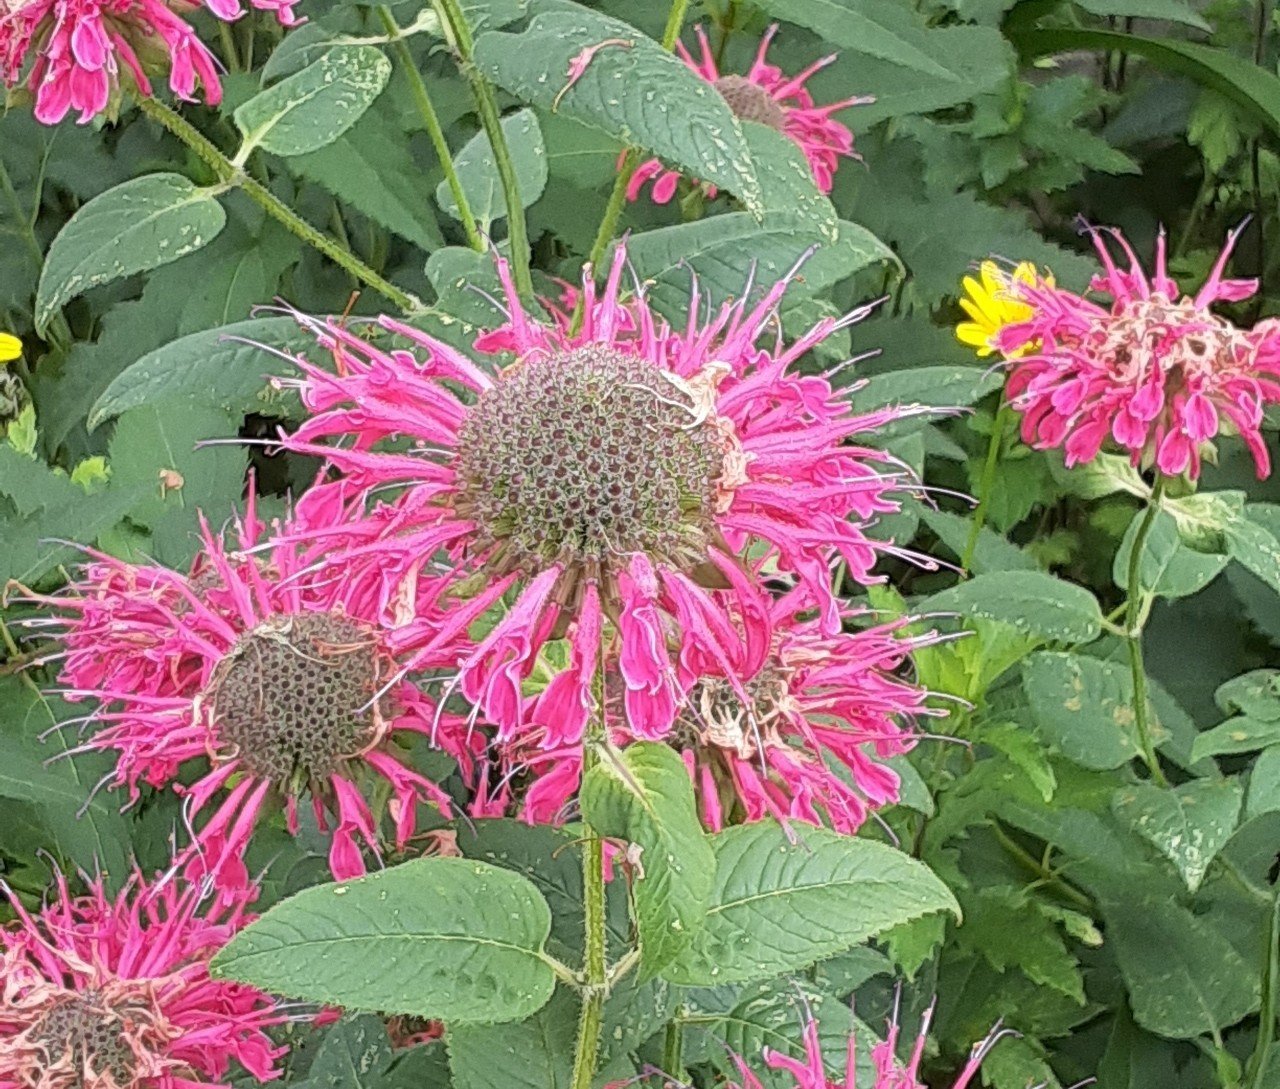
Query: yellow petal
[10,347]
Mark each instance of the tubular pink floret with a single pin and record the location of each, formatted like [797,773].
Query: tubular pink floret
[1154,372]
[713,448]
[113,992]
[279,675]
[768,96]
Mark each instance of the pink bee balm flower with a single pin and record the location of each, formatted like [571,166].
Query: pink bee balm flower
[767,96]
[790,726]
[812,1073]
[611,482]
[274,674]
[1155,372]
[103,992]
[79,49]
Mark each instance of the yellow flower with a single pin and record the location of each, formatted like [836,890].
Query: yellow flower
[992,303]
[10,347]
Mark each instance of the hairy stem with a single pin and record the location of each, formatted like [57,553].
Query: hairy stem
[486,100]
[673,1049]
[987,482]
[432,121]
[618,198]
[232,175]
[1134,616]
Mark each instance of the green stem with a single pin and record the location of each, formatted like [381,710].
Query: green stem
[618,198]
[452,18]
[229,174]
[673,1050]
[1256,1072]
[1134,616]
[1035,866]
[594,984]
[230,55]
[985,485]
[432,120]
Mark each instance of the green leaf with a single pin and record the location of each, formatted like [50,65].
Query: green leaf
[478,172]
[154,448]
[312,108]
[1083,707]
[1256,693]
[1239,734]
[1184,977]
[909,66]
[1251,86]
[1172,11]
[1189,824]
[355,1054]
[230,368]
[691,127]
[911,945]
[779,906]
[536,1053]
[1036,604]
[1251,542]
[442,938]
[992,915]
[713,248]
[370,168]
[938,388]
[1167,567]
[137,226]
[1264,784]
[1024,750]
[787,187]
[994,552]
[646,798]
[84,821]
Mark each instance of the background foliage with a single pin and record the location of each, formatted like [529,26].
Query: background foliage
[1126,931]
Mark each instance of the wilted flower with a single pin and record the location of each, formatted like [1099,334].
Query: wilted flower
[771,98]
[75,52]
[1155,371]
[791,725]
[277,673]
[113,992]
[612,481]
[10,348]
[993,302]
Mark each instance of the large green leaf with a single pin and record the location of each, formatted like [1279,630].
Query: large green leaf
[1249,85]
[143,224]
[312,108]
[1036,604]
[1083,707]
[1252,542]
[781,904]
[1184,977]
[647,799]
[1189,824]
[444,938]
[691,126]
[478,172]
[1167,567]
[84,821]
[712,249]
[370,167]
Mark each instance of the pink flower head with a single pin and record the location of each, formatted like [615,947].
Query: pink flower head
[79,49]
[276,675]
[604,489]
[767,96]
[811,1071]
[1155,372]
[791,726]
[113,992]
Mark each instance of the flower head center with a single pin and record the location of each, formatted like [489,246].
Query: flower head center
[717,715]
[88,1038]
[588,457]
[751,102]
[1177,337]
[295,695]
